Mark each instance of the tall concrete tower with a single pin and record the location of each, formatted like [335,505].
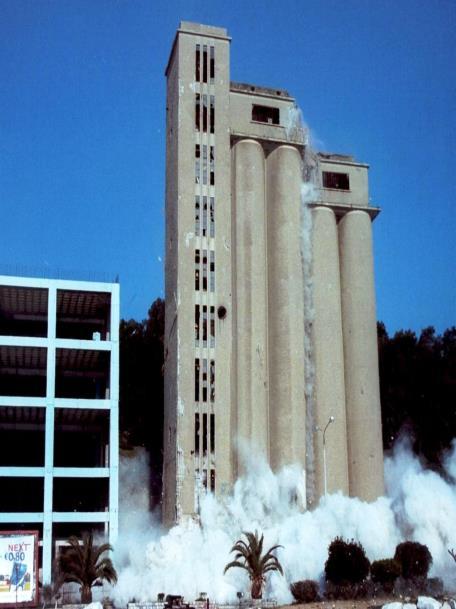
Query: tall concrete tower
[234,338]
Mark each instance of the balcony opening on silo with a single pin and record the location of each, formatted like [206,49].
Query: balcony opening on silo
[339,181]
[265,114]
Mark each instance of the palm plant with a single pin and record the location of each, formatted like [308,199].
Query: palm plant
[249,556]
[85,564]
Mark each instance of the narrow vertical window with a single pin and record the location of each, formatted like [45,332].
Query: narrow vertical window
[212,113]
[212,65]
[197,63]
[197,164]
[212,271]
[204,380]
[212,380]
[212,433]
[197,324]
[197,433]
[212,217]
[197,270]
[205,114]
[204,226]
[204,434]
[197,380]
[197,216]
[212,324]
[204,480]
[212,166]
[204,270]
[204,164]
[204,63]
[204,326]
[212,480]
[197,111]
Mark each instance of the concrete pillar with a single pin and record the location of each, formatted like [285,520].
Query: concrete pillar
[250,294]
[285,309]
[364,430]
[49,437]
[331,465]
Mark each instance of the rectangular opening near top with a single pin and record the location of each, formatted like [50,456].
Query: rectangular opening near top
[332,179]
[266,114]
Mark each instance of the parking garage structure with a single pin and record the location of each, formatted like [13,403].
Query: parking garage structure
[59,393]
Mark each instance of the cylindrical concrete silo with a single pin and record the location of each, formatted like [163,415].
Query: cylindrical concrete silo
[365,451]
[331,465]
[285,309]
[250,294]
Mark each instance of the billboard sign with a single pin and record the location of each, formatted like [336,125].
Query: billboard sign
[18,568]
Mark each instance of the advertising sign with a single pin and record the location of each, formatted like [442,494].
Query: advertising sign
[18,568]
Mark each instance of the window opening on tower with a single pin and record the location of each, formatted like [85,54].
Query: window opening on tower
[204,434]
[197,324]
[212,217]
[204,378]
[197,164]
[197,216]
[204,227]
[266,114]
[197,433]
[212,271]
[212,166]
[212,65]
[204,270]
[197,63]
[204,63]
[339,181]
[197,379]
[197,270]
[212,381]
[212,113]
[204,113]
[197,111]
[212,325]
[204,164]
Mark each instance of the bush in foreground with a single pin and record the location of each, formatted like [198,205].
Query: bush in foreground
[305,591]
[347,562]
[385,572]
[414,558]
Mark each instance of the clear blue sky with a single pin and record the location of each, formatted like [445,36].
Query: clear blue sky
[82,119]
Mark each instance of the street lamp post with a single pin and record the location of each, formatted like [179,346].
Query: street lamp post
[323,432]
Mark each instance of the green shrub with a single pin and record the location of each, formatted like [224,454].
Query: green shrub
[305,591]
[347,562]
[414,558]
[385,572]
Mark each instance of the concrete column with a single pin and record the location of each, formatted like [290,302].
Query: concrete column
[250,288]
[49,436]
[331,465]
[285,309]
[365,451]
[114,419]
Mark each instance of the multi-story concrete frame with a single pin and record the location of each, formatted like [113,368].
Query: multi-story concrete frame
[234,352]
[59,376]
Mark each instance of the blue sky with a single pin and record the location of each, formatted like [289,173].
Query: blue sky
[82,118]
